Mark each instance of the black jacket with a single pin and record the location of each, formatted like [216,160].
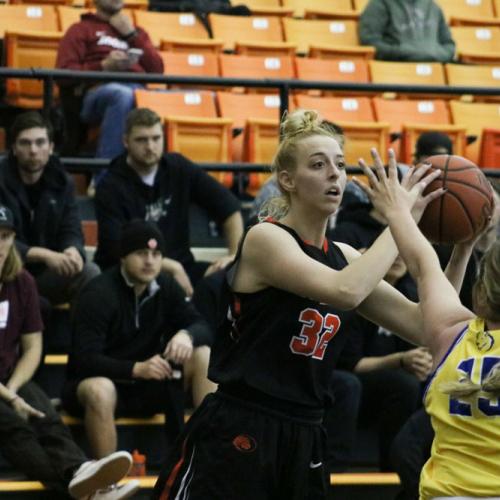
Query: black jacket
[113,329]
[55,223]
[122,196]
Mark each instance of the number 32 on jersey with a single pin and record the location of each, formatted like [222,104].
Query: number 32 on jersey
[317,330]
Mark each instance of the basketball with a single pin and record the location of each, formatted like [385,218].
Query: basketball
[464,210]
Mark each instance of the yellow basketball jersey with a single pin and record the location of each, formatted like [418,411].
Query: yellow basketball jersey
[465,457]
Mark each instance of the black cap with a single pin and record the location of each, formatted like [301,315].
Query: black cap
[139,235]
[431,143]
[6,218]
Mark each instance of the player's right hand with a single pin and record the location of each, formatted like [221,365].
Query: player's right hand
[116,60]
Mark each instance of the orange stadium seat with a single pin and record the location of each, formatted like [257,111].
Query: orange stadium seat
[489,155]
[468,75]
[128,4]
[475,117]
[320,8]
[257,116]
[257,67]
[360,5]
[316,36]
[165,26]
[467,12]
[264,33]
[355,115]
[412,117]
[192,126]
[186,64]
[244,107]
[27,18]
[66,16]
[268,8]
[29,49]
[407,73]
[477,45]
[332,70]
[41,2]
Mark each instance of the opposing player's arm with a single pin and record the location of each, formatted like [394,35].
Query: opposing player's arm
[439,302]
[272,257]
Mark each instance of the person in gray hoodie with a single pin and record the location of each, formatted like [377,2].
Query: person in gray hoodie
[406,30]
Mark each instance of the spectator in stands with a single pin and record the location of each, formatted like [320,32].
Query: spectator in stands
[32,435]
[106,41]
[406,30]
[145,183]
[133,327]
[34,185]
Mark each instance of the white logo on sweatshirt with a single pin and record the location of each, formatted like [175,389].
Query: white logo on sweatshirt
[111,41]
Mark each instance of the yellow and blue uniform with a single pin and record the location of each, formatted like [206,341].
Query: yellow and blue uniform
[465,457]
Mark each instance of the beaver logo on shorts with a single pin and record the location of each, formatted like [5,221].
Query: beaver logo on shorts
[244,443]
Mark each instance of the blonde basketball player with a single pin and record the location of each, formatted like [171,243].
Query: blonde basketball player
[462,397]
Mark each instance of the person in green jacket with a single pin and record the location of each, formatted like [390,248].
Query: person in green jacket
[406,30]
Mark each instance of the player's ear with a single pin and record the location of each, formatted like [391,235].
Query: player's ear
[286,180]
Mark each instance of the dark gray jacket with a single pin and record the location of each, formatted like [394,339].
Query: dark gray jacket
[406,30]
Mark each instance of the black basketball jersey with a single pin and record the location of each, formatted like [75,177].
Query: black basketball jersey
[279,343]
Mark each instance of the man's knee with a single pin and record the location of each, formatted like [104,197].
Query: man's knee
[198,361]
[119,94]
[98,394]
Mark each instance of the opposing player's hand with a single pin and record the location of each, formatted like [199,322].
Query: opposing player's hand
[25,410]
[388,195]
[418,177]
[417,361]
[180,348]
[154,368]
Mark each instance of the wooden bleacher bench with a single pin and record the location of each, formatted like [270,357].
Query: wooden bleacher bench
[148,482]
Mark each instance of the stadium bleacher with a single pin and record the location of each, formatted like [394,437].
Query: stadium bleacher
[285,40]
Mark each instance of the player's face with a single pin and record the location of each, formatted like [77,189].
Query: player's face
[145,145]
[142,266]
[319,178]
[32,149]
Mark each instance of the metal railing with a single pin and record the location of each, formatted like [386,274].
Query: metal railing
[50,77]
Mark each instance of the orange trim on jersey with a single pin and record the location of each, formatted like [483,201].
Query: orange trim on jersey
[325,244]
[173,475]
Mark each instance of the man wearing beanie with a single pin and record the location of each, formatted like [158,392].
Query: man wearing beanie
[134,334]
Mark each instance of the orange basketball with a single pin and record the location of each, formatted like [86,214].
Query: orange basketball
[464,210]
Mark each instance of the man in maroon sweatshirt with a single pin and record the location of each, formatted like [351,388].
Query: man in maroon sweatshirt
[107,41]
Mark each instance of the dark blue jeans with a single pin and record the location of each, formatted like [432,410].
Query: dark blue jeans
[108,105]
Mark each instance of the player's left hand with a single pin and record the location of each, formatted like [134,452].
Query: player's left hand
[180,348]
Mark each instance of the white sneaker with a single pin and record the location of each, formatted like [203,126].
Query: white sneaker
[98,474]
[117,491]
